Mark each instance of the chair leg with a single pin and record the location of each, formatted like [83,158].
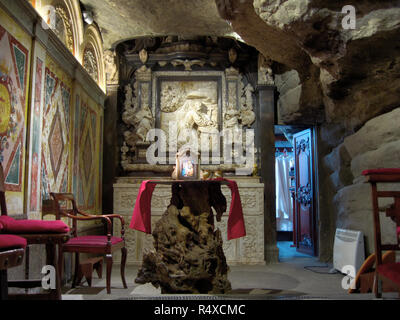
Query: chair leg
[109,261]
[51,260]
[377,286]
[61,264]
[3,285]
[99,268]
[87,271]
[27,259]
[76,273]
[123,262]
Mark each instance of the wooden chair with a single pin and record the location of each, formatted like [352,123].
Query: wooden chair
[12,250]
[49,233]
[388,271]
[104,245]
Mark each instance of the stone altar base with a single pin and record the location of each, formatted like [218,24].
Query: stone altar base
[248,250]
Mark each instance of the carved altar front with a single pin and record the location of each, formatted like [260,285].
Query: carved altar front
[246,250]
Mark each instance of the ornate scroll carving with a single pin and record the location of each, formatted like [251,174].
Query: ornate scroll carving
[304,195]
[188,63]
[63,28]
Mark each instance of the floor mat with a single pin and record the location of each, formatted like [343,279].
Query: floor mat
[85,290]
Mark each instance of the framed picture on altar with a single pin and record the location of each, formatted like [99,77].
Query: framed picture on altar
[187,165]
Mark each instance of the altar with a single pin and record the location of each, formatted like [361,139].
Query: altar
[246,250]
[209,105]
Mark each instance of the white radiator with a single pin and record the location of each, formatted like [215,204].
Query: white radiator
[348,251]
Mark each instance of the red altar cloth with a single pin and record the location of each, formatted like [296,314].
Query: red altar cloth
[141,217]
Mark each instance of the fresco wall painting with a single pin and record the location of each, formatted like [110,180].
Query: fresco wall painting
[56,131]
[87,154]
[14,66]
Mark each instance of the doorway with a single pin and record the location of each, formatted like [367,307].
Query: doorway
[295,183]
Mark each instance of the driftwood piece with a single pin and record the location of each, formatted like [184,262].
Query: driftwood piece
[188,255]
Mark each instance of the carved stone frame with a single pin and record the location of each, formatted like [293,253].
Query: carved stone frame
[160,77]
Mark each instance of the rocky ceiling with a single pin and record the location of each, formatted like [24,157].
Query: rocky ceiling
[121,20]
[325,73]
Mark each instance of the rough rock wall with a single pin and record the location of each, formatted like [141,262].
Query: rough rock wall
[346,76]
[336,78]
[375,145]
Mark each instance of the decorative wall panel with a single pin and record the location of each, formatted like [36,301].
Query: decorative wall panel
[14,77]
[34,199]
[87,153]
[56,134]
[62,132]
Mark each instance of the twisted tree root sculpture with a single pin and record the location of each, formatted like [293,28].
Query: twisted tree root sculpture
[188,255]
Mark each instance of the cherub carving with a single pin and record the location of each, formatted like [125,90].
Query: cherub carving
[110,65]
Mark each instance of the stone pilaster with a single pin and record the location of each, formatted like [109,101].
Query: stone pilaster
[266,138]
[110,149]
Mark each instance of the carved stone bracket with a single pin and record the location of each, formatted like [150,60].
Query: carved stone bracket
[188,64]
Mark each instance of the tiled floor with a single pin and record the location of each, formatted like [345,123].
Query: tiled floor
[297,276]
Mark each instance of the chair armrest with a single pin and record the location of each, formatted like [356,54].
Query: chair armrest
[103,215]
[121,218]
[87,217]
[110,217]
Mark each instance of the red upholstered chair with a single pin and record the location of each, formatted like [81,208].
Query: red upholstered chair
[12,249]
[103,244]
[388,271]
[49,233]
